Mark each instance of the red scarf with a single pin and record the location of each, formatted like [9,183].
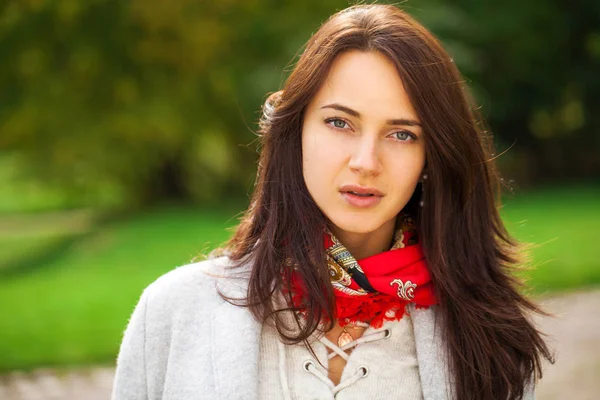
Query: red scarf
[379,287]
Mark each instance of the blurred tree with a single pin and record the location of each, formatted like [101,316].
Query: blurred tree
[535,69]
[148,99]
[151,100]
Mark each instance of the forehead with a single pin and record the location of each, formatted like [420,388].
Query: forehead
[367,82]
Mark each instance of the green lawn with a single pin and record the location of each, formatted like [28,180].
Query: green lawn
[73,308]
[561,227]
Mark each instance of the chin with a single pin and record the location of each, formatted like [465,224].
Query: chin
[362,224]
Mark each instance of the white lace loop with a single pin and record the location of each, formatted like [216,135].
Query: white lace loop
[310,366]
[361,372]
[341,351]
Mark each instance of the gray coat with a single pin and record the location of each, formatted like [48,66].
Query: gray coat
[184,342]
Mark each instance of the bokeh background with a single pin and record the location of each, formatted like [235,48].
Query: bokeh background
[127,144]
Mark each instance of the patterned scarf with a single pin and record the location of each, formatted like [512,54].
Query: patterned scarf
[379,287]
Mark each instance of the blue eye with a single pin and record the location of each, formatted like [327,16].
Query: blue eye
[404,135]
[336,123]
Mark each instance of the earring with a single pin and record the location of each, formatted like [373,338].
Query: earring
[423,179]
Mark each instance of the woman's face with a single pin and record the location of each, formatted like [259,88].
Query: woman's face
[362,144]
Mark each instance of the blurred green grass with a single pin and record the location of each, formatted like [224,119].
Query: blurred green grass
[16,251]
[560,225]
[72,309]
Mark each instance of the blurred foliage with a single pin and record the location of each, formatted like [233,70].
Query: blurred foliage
[535,69]
[133,102]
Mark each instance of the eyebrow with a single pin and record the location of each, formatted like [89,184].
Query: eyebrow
[354,113]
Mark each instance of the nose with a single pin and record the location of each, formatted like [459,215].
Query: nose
[365,158]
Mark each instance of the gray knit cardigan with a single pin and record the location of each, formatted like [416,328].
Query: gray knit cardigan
[184,342]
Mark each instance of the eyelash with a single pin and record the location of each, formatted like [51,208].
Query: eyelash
[329,121]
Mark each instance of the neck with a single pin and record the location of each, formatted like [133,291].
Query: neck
[363,245]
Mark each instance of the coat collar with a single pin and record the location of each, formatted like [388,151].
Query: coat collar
[431,355]
[235,352]
[235,335]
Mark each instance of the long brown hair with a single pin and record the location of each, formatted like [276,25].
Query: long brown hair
[493,349]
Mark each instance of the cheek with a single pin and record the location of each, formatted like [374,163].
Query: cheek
[407,170]
[318,161]
[310,157]
[312,140]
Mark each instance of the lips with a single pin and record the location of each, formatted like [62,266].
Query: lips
[361,197]
[361,194]
[361,191]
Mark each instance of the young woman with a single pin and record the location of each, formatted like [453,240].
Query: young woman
[371,263]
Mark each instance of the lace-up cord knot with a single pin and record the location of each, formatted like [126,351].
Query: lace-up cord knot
[361,371]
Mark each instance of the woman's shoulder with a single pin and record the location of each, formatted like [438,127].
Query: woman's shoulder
[201,283]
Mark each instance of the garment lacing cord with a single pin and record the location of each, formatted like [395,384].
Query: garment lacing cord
[310,366]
